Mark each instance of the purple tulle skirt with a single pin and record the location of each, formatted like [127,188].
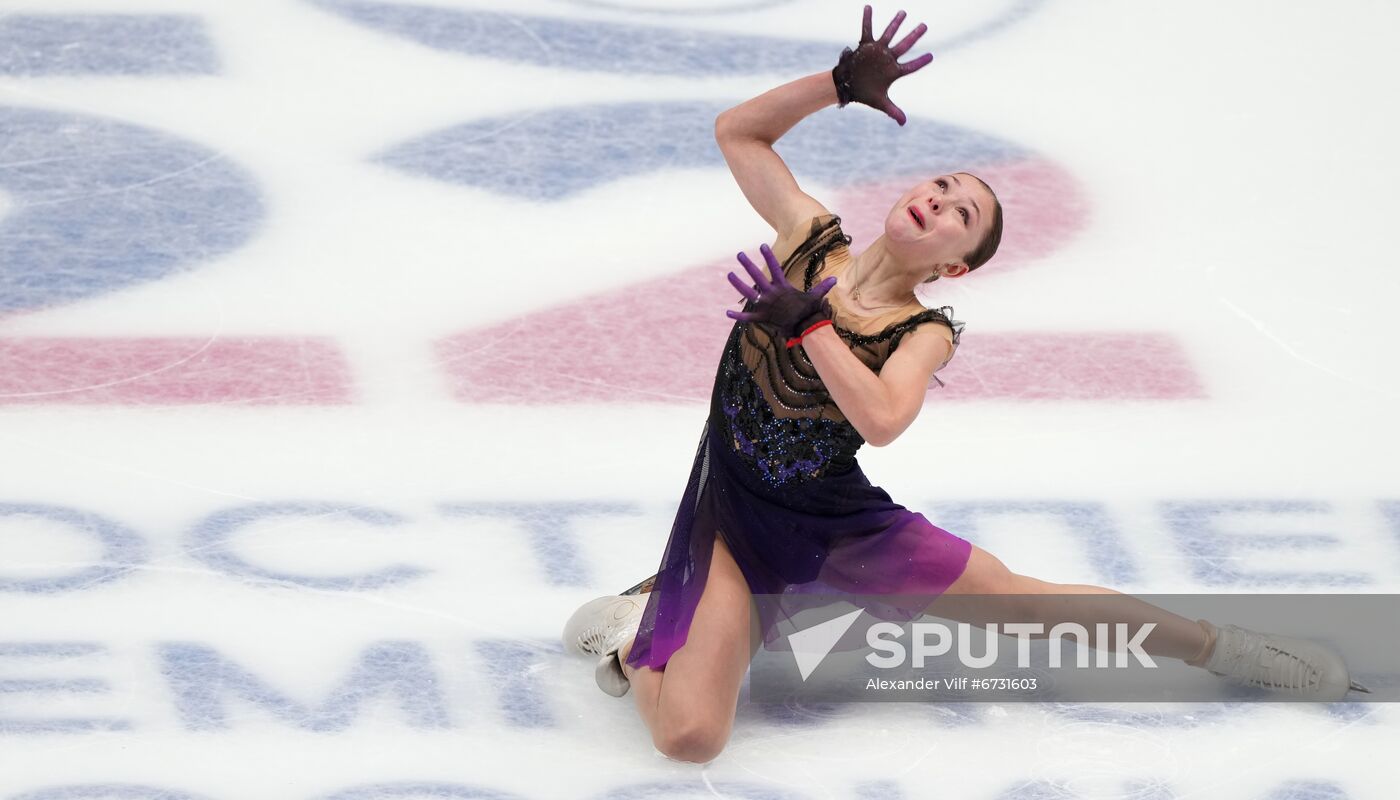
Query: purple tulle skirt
[836,535]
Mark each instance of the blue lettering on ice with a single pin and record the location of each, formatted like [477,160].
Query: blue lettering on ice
[1191,716]
[53,651]
[952,715]
[813,715]
[201,679]
[553,155]
[420,789]
[1054,790]
[712,8]
[1089,522]
[22,685]
[878,790]
[104,44]
[575,44]
[807,715]
[1307,790]
[1351,712]
[209,542]
[697,788]
[509,667]
[29,726]
[1214,552]
[1390,511]
[98,205]
[578,44]
[107,791]
[122,549]
[549,530]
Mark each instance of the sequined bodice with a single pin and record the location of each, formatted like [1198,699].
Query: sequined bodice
[772,405]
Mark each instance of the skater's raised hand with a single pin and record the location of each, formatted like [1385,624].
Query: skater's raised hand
[864,75]
[778,304]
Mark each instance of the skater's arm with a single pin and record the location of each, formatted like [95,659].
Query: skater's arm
[746,134]
[882,406]
[907,372]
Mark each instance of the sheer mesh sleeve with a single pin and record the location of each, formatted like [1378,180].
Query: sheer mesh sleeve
[788,244]
[796,248]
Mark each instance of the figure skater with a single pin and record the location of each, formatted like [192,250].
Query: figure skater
[833,349]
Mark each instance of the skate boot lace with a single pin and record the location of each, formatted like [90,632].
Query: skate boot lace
[1259,663]
[598,639]
[592,639]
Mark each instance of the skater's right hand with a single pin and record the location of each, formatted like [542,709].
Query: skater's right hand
[778,304]
[864,75]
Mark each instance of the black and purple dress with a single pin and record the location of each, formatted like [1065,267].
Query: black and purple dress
[776,475]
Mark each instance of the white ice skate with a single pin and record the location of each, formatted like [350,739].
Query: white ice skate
[1304,669]
[599,629]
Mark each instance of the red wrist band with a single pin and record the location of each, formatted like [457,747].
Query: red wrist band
[796,340]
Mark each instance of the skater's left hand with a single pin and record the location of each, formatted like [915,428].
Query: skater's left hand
[864,75]
[778,304]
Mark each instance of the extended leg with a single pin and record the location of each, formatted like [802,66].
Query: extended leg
[987,591]
[1006,595]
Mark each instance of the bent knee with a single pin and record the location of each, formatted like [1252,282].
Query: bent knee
[986,574]
[694,743]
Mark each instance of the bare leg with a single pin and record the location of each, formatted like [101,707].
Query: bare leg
[689,706]
[1033,600]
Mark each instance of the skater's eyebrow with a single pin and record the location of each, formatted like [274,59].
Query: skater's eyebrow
[970,200]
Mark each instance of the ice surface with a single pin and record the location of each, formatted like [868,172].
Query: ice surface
[282,282]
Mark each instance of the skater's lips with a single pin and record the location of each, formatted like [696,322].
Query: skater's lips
[918,217]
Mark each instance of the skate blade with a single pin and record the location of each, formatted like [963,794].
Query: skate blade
[609,676]
[643,587]
[1356,687]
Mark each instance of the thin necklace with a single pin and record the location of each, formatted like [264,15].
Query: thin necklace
[855,295]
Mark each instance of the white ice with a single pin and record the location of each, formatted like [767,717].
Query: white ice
[1239,167]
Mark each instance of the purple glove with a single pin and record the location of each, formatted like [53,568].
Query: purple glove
[864,75]
[778,304]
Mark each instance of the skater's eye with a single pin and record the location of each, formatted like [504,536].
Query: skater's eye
[965,215]
[942,184]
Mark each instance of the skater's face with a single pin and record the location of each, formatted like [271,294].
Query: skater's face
[940,221]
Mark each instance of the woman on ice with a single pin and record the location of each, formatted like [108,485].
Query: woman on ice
[834,349]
